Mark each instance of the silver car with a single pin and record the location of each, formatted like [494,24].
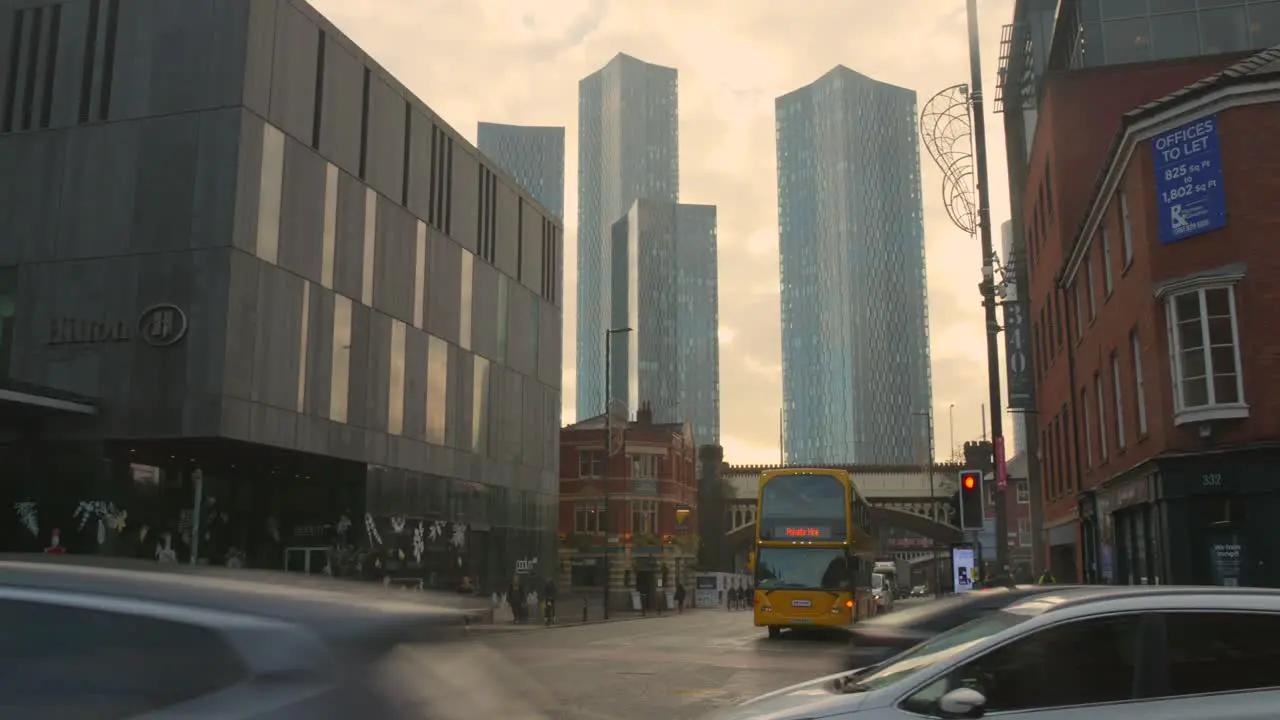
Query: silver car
[85,638]
[1081,653]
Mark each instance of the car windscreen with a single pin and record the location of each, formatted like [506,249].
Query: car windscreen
[939,649]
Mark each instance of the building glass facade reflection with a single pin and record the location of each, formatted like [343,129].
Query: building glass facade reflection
[1117,32]
[628,148]
[533,155]
[855,347]
[290,305]
[664,287]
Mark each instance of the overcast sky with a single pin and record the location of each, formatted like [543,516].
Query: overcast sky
[519,61]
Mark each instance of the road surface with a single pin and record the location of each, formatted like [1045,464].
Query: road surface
[674,667]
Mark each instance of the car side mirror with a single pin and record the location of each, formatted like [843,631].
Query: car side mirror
[963,703]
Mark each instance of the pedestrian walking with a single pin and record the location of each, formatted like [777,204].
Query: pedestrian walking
[679,597]
[549,599]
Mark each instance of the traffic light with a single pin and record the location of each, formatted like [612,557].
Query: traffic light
[970,499]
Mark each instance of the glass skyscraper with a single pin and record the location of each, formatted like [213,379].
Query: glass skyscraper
[628,148]
[664,287]
[532,155]
[855,339]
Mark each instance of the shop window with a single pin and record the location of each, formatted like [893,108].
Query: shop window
[587,517]
[590,463]
[1205,348]
[1222,652]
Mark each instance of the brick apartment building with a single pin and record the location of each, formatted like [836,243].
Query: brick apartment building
[637,507]
[1156,364]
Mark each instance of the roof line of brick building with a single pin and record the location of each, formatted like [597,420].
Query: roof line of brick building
[1262,67]
[847,468]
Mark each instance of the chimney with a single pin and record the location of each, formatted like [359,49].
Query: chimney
[644,416]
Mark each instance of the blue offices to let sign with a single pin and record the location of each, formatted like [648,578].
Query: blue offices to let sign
[1189,195]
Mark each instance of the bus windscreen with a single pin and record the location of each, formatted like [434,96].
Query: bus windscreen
[804,507]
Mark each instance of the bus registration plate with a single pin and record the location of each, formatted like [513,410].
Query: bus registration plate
[801,603]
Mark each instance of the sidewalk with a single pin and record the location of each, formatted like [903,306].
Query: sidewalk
[569,614]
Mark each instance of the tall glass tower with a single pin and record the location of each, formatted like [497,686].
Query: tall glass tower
[664,287]
[855,338]
[628,148]
[533,155]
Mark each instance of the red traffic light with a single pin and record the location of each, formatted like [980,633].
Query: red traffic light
[970,482]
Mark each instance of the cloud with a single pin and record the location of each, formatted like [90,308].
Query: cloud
[519,61]
[727,334]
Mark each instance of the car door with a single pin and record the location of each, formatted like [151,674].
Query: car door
[1216,663]
[1069,671]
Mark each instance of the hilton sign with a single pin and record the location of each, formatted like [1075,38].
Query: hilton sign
[159,326]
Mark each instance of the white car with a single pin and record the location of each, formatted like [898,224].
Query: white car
[1078,654]
[882,591]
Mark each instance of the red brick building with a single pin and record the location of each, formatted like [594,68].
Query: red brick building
[638,506]
[1154,297]
[1079,113]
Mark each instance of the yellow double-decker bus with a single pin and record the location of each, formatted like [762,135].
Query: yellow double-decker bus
[813,552]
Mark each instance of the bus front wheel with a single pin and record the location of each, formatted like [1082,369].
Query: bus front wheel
[774,631]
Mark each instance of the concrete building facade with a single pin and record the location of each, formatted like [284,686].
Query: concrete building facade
[248,265]
[533,156]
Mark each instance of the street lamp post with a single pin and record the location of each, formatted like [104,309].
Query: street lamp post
[608,452]
[951,430]
[988,278]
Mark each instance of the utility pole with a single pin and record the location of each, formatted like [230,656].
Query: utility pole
[608,455]
[988,284]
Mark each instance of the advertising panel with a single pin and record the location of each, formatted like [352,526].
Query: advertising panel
[962,568]
[1189,194]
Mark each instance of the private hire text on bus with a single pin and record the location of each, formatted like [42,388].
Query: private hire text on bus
[813,551]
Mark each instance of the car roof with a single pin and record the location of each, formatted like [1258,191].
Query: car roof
[339,611]
[1077,596]
[921,614]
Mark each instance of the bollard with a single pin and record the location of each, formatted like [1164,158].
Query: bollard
[584,609]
